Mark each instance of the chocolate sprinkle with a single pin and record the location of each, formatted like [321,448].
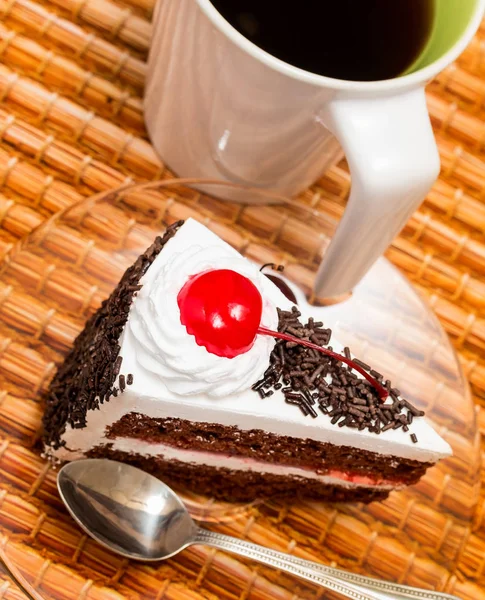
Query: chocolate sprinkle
[86,378]
[364,365]
[345,398]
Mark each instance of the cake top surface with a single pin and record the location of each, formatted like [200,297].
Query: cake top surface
[169,367]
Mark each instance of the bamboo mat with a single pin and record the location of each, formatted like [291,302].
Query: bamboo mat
[71,125]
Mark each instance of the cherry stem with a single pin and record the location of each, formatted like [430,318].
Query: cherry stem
[383,393]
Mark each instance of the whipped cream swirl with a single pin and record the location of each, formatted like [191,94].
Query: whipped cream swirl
[162,344]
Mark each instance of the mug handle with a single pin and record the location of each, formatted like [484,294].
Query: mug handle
[393,160]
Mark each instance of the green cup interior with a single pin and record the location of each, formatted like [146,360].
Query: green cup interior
[451,18]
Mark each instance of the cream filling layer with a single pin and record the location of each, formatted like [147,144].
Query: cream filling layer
[237,463]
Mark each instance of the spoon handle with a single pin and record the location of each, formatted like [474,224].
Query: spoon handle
[347,584]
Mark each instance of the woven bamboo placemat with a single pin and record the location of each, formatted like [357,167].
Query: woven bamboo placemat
[71,124]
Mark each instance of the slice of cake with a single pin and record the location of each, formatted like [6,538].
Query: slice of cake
[180,373]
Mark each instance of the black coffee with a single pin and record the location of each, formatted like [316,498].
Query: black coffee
[359,40]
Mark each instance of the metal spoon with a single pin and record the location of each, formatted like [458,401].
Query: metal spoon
[136,515]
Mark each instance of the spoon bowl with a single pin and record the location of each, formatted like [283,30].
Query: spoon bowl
[126,509]
[136,515]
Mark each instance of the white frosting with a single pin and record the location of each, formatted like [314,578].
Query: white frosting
[247,411]
[154,397]
[161,344]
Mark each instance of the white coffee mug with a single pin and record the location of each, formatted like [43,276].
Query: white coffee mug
[218,106]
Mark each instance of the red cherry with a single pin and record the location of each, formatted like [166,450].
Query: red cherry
[222,310]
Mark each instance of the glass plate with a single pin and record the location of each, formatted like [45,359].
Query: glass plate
[57,277]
